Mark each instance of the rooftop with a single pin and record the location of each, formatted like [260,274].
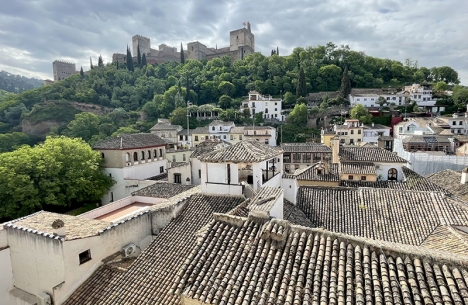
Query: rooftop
[408,217]
[375,126]
[316,172]
[451,181]
[129,141]
[75,226]
[254,261]
[165,126]
[369,154]
[162,190]
[305,147]
[265,198]
[207,146]
[148,279]
[357,168]
[243,151]
[124,211]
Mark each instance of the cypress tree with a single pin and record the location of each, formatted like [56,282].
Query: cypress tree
[277,51]
[301,89]
[129,60]
[187,88]
[143,60]
[81,72]
[139,55]
[345,88]
[182,55]
[91,63]
[100,62]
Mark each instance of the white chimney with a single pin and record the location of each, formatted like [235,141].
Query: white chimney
[464,176]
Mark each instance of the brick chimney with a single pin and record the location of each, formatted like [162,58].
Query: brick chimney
[464,176]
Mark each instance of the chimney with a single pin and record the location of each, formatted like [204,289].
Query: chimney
[327,166]
[335,149]
[464,176]
[58,227]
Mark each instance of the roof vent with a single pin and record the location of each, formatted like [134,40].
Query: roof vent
[59,227]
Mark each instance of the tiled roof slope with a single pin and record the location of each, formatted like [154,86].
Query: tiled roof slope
[306,147]
[206,147]
[243,151]
[75,227]
[407,217]
[265,198]
[162,190]
[149,278]
[450,180]
[357,168]
[128,141]
[310,173]
[369,154]
[277,263]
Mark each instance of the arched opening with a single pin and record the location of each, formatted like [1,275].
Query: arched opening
[135,156]
[155,154]
[392,174]
[127,157]
[149,154]
[142,155]
[102,155]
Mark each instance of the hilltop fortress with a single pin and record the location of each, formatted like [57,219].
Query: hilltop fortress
[242,43]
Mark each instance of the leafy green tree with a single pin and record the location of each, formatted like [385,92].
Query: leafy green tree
[11,141]
[61,172]
[345,88]
[301,89]
[460,96]
[289,99]
[226,88]
[179,117]
[85,126]
[182,55]
[259,118]
[440,86]
[125,130]
[359,112]
[225,101]
[298,115]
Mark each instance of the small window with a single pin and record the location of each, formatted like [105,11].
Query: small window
[363,178]
[161,169]
[178,178]
[149,154]
[142,155]
[160,152]
[199,173]
[240,137]
[359,131]
[352,131]
[102,154]
[135,156]
[319,172]
[213,128]
[155,154]
[350,177]
[85,256]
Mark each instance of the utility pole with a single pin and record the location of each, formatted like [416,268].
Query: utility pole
[188,124]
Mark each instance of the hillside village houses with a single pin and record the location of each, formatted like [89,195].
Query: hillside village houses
[350,206]
[269,106]
[354,132]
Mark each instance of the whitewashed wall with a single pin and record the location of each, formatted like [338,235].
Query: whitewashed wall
[290,188]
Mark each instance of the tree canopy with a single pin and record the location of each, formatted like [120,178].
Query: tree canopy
[361,113]
[61,172]
[299,115]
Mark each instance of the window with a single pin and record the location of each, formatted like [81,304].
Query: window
[350,177]
[392,174]
[220,128]
[454,123]
[127,157]
[85,256]
[228,168]
[155,154]
[160,152]
[267,142]
[240,137]
[178,178]
[231,137]
[224,137]
[459,123]
[199,173]
[359,131]
[102,154]
[161,169]
[142,155]
[276,104]
[149,154]
[319,171]
[135,156]
[363,178]
[196,138]
[213,128]
[352,131]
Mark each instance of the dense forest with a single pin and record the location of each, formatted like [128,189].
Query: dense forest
[16,83]
[135,94]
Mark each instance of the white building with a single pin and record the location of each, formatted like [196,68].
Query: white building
[372,132]
[248,163]
[131,159]
[270,107]
[263,134]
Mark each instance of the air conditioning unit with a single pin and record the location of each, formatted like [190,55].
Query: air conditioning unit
[44,299]
[129,250]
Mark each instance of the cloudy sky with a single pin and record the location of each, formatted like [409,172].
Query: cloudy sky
[33,33]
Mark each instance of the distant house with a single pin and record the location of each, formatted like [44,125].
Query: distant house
[167,131]
[270,107]
[131,159]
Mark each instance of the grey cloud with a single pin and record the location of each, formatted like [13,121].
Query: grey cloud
[41,31]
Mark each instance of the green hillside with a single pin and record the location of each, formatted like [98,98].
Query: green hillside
[17,83]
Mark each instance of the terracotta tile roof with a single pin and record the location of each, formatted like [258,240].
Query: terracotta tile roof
[149,278]
[407,217]
[242,261]
[265,198]
[311,174]
[385,138]
[450,180]
[369,154]
[357,168]
[207,146]
[448,239]
[375,126]
[201,130]
[237,130]
[427,139]
[183,132]
[165,126]
[75,227]
[162,190]
[243,151]
[306,147]
[295,215]
[128,141]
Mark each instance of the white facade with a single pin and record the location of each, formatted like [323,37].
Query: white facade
[270,107]
[371,133]
[263,134]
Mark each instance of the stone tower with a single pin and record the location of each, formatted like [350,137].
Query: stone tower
[242,40]
[63,69]
[143,42]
